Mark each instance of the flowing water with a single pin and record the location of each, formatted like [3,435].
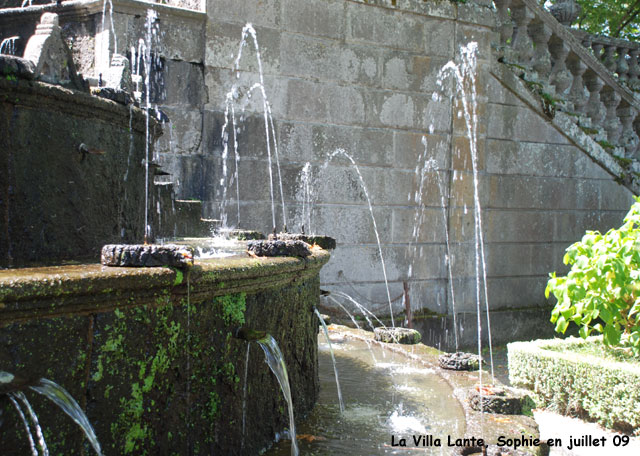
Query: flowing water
[150,34]
[335,368]
[59,396]
[373,219]
[464,73]
[25,422]
[19,395]
[275,360]
[8,45]
[306,194]
[429,164]
[233,97]
[397,397]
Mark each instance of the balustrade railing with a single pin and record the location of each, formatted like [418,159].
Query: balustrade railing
[587,76]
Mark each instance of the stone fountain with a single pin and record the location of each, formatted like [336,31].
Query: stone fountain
[147,352]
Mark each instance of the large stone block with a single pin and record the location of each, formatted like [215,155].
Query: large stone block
[419,225]
[308,101]
[518,226]
[320,18]
[296,143]
[329,60]
[347,105]
[520,124]
[184,83]
[263,13]
[183,133]
[439,38]
[410,151]
[356,223]
[223,44]
[434,114]
[377,25]
[367,146]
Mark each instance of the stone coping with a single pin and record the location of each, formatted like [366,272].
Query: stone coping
[82,289]
[73,7]
[43,96]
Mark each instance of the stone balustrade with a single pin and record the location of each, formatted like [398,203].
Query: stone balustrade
[620,57]
[592,86]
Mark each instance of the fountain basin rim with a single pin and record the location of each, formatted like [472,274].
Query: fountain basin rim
[83,289]
[41,95]
[462,383]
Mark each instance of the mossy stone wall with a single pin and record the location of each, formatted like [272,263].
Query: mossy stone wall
[159,372]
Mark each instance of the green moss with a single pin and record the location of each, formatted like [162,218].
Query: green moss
[232,308]
[179,277]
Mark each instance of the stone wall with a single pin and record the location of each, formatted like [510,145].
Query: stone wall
[360,76]
[149,353]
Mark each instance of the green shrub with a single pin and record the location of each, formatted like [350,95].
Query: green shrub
[601,293]
[569,382]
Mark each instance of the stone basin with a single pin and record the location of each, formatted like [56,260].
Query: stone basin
[150,356]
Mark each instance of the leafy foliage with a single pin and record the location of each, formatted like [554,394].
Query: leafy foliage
[615,18]
[601,293]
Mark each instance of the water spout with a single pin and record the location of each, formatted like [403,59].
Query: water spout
[13,387]
[275,360]
[333,358]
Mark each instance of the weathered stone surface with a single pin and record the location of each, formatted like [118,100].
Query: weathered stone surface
[502,400]
[403,336]
[242,235]
[147,255]
[51,56]
[458,361]
[117,95]
[326,242]
[89,202]
[279,248]
[12,66]
[94,330]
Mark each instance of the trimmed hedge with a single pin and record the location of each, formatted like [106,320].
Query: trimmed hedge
[605,391]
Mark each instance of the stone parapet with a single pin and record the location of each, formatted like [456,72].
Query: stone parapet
[570,77]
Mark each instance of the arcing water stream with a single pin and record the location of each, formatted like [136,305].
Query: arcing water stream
[275,360]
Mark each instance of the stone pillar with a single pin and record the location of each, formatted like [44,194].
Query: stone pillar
[561,77]
[609,59]
[505,23]
[521,41]
[540,34]
[622,67]
[634,69]
[629,140]
[595,108]
[611,99]
[577,93]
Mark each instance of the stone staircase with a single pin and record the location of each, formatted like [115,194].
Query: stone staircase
[585,83]
[175,218]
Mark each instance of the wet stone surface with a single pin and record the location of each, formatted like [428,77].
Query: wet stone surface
[242,235]
[459,361]
[326,242]
[139,255]
[404,336]
[279,248]
[505,401]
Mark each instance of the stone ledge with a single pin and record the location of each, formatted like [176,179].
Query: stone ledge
[43,96]
[84,289]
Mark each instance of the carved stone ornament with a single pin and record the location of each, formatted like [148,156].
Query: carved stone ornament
[565,11]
